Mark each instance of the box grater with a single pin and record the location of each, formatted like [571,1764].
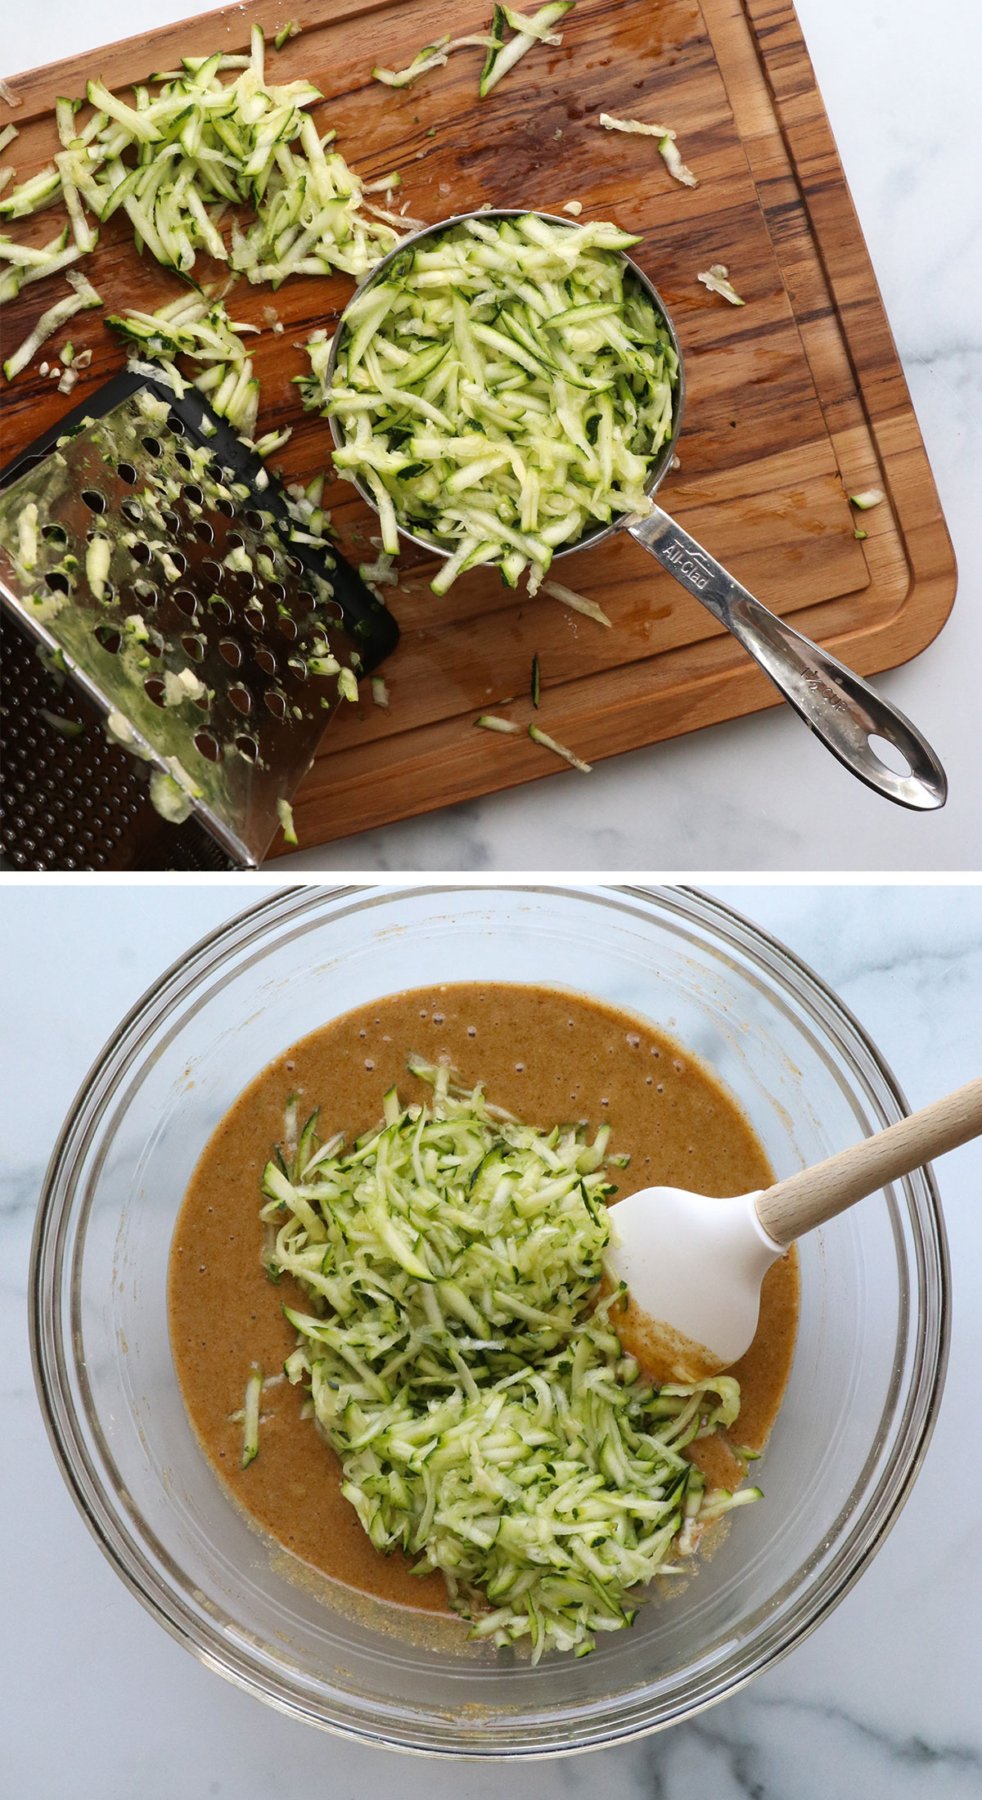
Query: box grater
[180,620]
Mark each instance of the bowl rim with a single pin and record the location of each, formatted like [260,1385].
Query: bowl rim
[50,1355]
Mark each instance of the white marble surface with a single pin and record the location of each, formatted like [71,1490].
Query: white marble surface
[901,88]
[99,1704]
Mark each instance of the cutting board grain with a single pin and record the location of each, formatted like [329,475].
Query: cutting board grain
[795,400]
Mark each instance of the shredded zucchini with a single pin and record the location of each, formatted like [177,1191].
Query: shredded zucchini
[84,296]
[197,326]
[379,573]
[250,1415]
[671,156]
[636,127]
[195,146]
[486,1418]
[539,736]
[284,812]
[432,56]
[868,498]
[667,146]
[169,798]
[528,29]
[502,389]
[491,722]
[503,52]
[716,279]
[65,728]
[576,602]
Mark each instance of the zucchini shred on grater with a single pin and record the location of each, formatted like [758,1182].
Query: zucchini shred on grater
[158,565]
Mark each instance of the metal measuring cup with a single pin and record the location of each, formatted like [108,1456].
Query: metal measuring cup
[836,704]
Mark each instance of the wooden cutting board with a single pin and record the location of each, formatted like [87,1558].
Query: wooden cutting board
[795,400]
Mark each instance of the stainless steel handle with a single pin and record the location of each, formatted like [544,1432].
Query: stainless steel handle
[840,708]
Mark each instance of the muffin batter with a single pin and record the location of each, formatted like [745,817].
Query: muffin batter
[546,1055]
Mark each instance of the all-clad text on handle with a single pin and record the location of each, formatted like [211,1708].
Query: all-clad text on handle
[842,710]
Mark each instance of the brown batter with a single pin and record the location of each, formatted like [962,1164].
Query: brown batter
[546,1055]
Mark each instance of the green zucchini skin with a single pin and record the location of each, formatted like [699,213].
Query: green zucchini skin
[502,389]
[455,1354]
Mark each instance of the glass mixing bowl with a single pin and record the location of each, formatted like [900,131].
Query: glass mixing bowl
[853,1429]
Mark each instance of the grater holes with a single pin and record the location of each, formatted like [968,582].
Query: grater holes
[140,552]
[297,667]
[192,493]
[204,531]
[153,446]
[225,507]
[176,424]
[287,625]
[294,564]
[275,703]
[193,646]
[108,637]
[220,610]
[255,518]
[131,509]
[153,687]
[148,594]
[240,698]
[247,747]
[172,520]
[245,581]
[57,582]
[95,501]
[126,472]
[235,540]
[211,570]
[178,557]
[276,590]
[231,651]
[254,618]
[208,745]
[186,602]
[266,660]
[55,534]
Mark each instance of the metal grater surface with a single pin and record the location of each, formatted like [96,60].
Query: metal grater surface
[77,801]
[214,635]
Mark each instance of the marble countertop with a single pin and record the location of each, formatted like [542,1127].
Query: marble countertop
[760,793]
[100,1704]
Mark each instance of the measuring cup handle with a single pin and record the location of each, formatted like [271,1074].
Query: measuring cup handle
[840,708]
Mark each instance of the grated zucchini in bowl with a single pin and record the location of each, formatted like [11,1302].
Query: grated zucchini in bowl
[502,388]
[486,1418]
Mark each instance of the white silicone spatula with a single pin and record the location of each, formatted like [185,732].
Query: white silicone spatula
[693,1265]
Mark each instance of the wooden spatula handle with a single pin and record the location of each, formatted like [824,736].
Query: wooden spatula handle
[803,1201]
